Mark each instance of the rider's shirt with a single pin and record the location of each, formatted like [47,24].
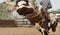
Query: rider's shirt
[44,3]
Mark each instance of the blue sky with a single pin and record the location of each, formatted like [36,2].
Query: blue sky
[55,4]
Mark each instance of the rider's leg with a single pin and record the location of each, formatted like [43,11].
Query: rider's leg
[45,13]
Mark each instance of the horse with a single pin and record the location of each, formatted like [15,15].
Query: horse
[34,17]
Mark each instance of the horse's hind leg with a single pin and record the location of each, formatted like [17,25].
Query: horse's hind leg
[54,25]
[45,28]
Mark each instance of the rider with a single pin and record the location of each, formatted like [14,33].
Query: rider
[46,4]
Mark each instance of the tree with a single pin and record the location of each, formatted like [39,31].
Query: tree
[57,11]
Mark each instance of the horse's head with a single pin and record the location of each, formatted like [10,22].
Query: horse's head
[54,21]
[54,26]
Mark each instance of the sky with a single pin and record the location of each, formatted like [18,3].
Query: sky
[55,4]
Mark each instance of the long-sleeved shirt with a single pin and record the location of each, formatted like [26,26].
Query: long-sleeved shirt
[45,3]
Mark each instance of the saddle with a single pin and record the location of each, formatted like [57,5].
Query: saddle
[46,15]
[35,16]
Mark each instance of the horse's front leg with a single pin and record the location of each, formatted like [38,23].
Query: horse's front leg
[43,31]
[44,28]
[40,29]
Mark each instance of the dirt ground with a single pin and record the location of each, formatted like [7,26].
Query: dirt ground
[24,31]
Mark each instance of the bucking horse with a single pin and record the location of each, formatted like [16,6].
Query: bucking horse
[34,16]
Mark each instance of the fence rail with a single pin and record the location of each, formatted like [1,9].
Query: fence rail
[18,22]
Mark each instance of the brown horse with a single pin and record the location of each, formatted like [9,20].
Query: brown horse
[35,17]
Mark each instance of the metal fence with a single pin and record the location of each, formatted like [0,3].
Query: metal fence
[22,21]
